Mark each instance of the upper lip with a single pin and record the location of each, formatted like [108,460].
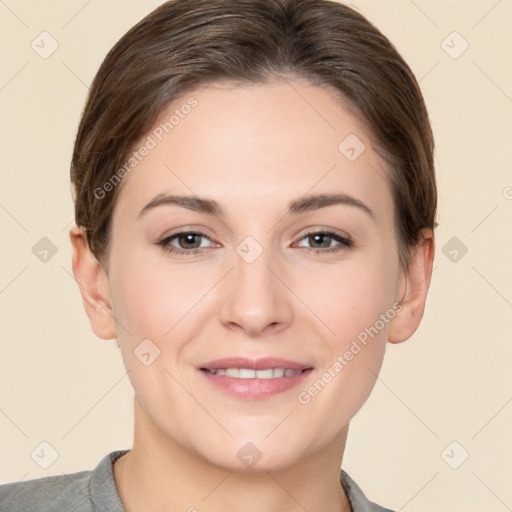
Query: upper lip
[254,364]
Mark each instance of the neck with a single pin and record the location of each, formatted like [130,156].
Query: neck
[159,474]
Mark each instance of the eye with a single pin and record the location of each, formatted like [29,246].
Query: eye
[323,242]
[188,242]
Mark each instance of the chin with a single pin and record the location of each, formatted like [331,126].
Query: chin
[255,457]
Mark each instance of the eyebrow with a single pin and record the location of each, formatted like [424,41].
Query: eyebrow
[303,204]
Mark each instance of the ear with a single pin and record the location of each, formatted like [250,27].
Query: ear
[94,287]
[414,291]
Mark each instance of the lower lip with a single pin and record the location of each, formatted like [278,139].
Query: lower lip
[256,389]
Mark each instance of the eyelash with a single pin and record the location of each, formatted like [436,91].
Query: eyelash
[346,243]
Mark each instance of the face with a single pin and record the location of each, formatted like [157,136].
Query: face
[263,275]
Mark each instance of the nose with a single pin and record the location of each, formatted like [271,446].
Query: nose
[257,300]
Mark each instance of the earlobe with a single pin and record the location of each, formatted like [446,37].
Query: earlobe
[94,287]
[417,282]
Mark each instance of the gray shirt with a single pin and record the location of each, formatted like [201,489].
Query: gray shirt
[96,491]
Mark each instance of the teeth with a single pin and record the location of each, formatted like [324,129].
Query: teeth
[244,373]
[247,373]
[261,374]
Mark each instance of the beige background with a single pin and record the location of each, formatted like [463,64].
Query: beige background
[451,382]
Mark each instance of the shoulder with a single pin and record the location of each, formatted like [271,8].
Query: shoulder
[49,493]
[358,500]
[78,492]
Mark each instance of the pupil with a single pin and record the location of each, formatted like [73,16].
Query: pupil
[316,237]
[188,238]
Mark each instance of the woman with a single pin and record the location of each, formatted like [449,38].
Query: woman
[255,204]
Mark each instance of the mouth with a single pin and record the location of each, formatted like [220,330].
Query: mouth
[255,379]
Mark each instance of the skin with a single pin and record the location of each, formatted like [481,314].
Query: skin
[253,150]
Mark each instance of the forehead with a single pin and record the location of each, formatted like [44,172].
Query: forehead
[256,145]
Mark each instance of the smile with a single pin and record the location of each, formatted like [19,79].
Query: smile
[255,379]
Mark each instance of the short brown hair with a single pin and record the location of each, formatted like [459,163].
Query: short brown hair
[184,44]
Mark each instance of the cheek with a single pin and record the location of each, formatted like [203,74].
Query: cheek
[148,303]
[358,310]
[358,307]
[354,298]
[151,296]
